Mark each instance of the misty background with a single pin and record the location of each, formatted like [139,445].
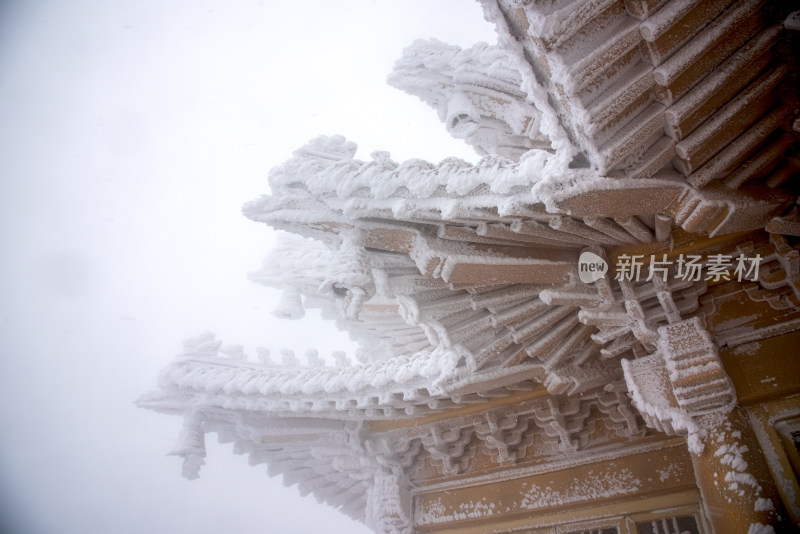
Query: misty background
[130,135]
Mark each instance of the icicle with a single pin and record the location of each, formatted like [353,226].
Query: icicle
[341,359]
[335,148]
[234,352]
[290,306]
[191,445]
[289,358]
[263,355]
[312,355]
[201,345]
[384,158]
[362,356]
[349,275]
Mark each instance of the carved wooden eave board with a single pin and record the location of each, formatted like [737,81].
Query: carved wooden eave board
[497,388]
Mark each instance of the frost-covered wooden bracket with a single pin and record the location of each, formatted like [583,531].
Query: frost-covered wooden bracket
[564,420]
[556,424]
[505,435]
[452,448]
[396,453]
[781,268]
[713,211]
[681,382]
[343,463]
[461,263]
[625,324]
[789,224]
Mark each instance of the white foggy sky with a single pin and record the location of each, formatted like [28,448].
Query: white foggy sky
[130,135]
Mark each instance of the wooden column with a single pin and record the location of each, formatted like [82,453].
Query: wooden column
[734,480]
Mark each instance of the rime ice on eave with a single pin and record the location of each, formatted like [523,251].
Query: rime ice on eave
[637,127]
[477,93]
[641,84]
